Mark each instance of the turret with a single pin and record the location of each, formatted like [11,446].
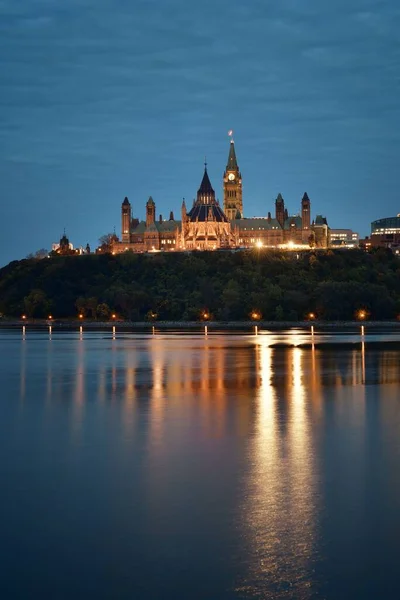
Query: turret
[150,212]
[183,211]
[280,210]
[305,211]
[126,220]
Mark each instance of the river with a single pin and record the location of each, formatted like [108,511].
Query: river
[188,466]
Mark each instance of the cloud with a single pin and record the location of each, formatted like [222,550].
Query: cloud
[129,85]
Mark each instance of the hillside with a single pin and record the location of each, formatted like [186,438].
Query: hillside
[228,285]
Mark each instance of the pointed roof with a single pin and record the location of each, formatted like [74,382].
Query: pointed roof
[305,197]
[232,162]
[126,201]
[150,201]
[205,186]
[279,198]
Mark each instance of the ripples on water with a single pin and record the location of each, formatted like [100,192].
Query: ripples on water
[192,466]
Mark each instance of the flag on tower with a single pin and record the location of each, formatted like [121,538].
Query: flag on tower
[230,132]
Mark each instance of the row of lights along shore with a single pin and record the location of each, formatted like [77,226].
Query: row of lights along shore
[361,315]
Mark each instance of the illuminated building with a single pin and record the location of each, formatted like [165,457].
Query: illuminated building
[386,232]
[208,226]
[344,238]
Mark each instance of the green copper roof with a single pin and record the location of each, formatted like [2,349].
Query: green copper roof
[232,162]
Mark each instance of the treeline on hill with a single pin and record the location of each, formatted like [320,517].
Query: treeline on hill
[228,285]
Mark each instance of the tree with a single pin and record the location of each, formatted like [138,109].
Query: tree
[106,241]
[91,305]
[36,304]
[103,311]
[81,306]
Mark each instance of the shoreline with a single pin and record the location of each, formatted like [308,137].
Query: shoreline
[197,325]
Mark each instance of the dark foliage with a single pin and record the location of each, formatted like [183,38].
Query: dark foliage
[227,285]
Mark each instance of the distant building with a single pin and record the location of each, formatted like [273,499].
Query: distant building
[386,232]
[208,226]
[344,238]
[64,246]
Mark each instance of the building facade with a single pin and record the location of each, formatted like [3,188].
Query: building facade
[208,226]
[344,238]
[386,232]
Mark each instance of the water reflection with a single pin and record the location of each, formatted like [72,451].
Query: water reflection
[256,445]
[278,514]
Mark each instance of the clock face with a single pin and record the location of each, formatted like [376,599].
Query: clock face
[231,177]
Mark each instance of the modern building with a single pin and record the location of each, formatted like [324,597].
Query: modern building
[386,232]
[344,238]
[208,226]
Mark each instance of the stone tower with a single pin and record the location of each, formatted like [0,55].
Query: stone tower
[305,211]
[126,214]
[233,199]
[150,212]
[280,210]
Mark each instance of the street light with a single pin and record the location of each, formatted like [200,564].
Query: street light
[23,317]
[362,314]
[205,315]
[311,316]
[113,316]
[50,317]
[256,316]
[81,316]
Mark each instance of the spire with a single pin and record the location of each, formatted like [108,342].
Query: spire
[205,186]
[232,162]
[305,197]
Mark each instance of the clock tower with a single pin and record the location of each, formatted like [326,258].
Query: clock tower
[233,201]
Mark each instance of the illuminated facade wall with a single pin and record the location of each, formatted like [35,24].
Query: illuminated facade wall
[209,227]
[386,232]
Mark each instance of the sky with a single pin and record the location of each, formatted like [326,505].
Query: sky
[102,99]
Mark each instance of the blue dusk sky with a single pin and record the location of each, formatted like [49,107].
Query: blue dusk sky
[102,99]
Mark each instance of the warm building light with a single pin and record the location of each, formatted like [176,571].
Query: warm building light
[290,244]
[259,244]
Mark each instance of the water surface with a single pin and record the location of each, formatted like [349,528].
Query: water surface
[207,467]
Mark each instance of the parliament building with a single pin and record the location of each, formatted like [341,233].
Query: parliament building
[208,226]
